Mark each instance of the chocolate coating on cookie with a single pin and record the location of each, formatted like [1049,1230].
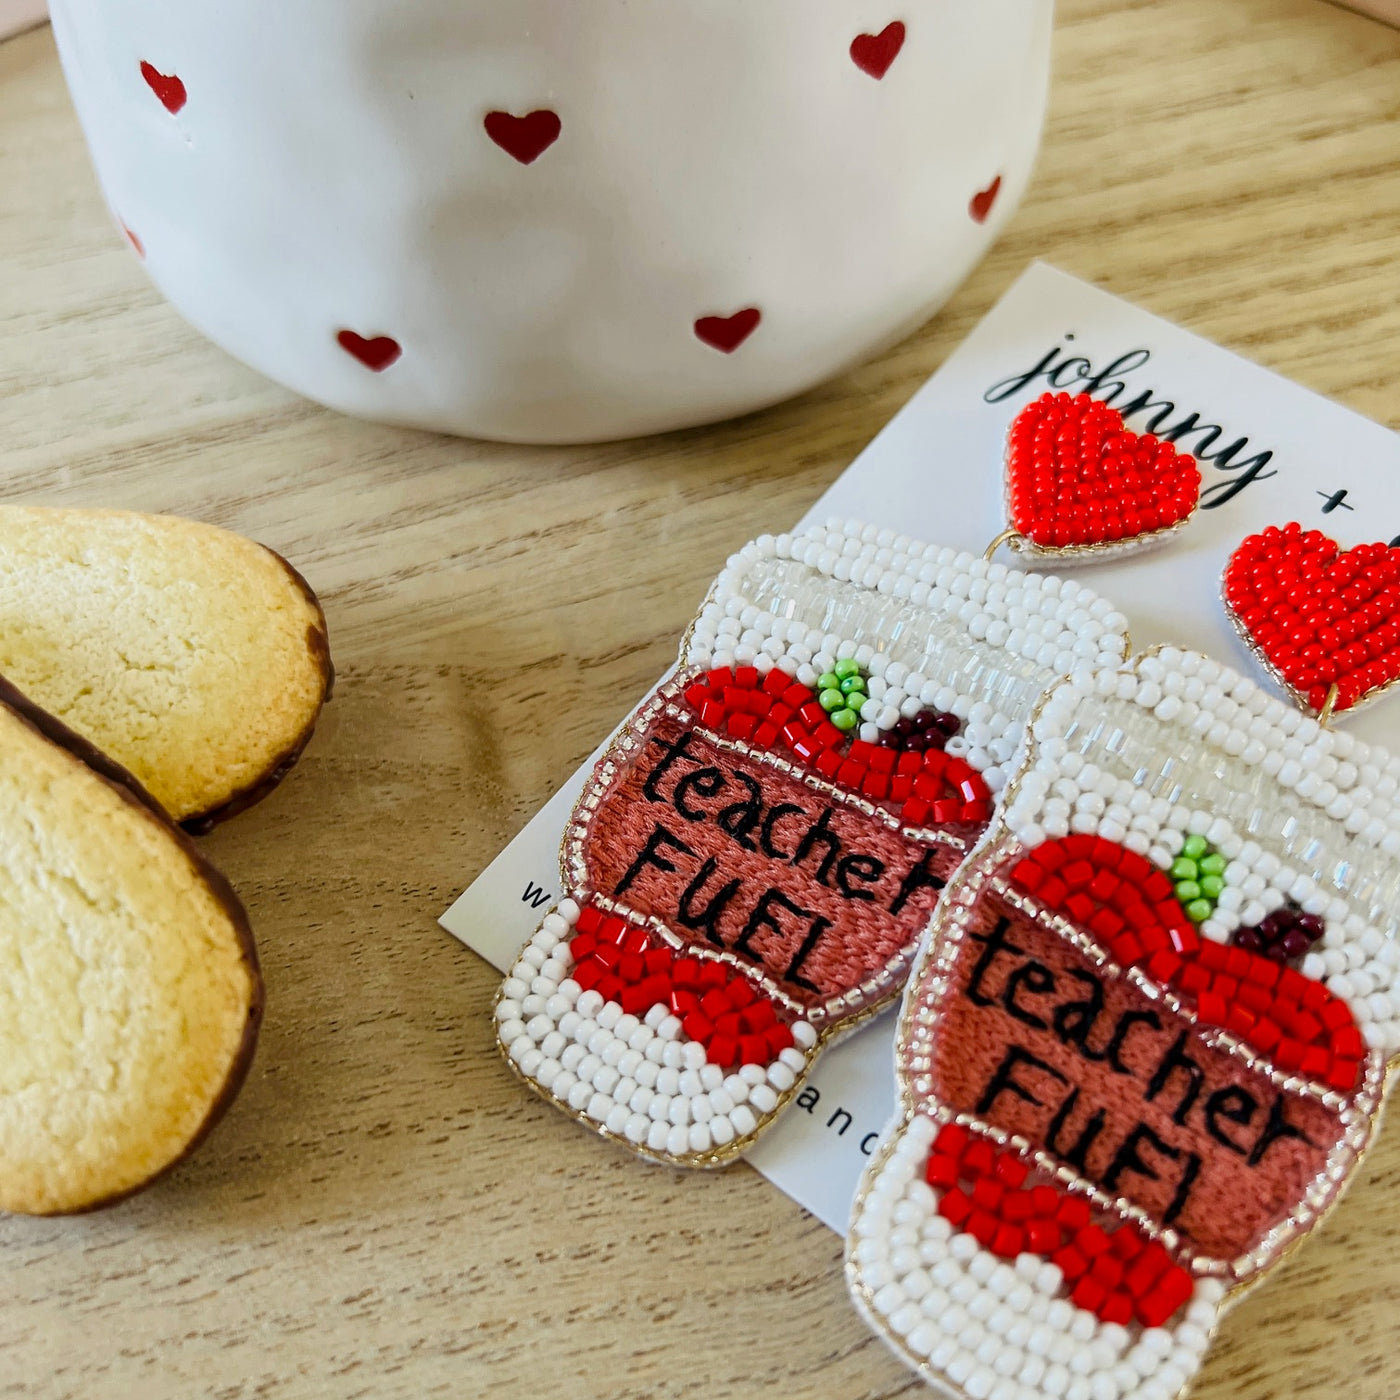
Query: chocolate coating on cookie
[135,795]
[318,644]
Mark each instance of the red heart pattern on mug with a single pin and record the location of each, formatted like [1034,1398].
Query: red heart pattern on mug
[874,53]
[376,353]
[1318,615]
[980,206]
[166,86]
[135,242]
[727,333]
[1077,480]
[525,138]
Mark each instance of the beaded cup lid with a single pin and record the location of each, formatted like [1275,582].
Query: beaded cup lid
[753,865]
[1148,1041]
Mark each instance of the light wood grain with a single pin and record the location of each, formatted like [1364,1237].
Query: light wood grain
[384,1212]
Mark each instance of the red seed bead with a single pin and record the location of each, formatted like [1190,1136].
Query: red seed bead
[952,1139]
[1074,1213]
[1011,1170]
[1070,1262]
[979,1157]
[1091,1241]
[954,1207]
[942,1171]
[1008,1241]
[1016,1206]
[987,1192]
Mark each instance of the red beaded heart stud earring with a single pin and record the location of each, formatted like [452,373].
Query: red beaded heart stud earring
[1323,621]
[1082,488]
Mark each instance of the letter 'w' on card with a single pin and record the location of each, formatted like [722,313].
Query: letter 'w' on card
[1269,452]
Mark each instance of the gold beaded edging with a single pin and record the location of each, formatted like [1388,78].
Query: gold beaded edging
[1070,555]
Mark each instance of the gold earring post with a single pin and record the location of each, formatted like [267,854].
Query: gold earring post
[1010,533]
[1324,716]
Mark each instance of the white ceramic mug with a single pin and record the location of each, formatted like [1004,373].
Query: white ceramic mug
[558,220]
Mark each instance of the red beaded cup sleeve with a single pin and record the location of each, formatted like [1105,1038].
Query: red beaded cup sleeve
[754,862]
[1146,1045]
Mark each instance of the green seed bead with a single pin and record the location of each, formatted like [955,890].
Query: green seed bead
[1194,847]
[845,719]
[829,680]
[1187,890]
[847,666]
[1213,864]
[831,701]
[1199,910]
[1184,868]
[853,685]
[1211,886]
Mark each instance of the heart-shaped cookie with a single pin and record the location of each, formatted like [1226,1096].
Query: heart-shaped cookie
[1081,487]
[1318,616]
[525,138]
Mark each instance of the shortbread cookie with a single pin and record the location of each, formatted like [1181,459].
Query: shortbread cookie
[751,869]
[130,996]
[1147,1044]
[195,658]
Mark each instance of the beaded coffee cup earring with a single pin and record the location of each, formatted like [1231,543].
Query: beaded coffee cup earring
[1147,1042]
[752,867]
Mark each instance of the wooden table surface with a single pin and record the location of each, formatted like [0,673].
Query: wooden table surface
[385,1212]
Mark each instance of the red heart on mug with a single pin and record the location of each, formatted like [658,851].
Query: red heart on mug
[1317,614]
[1077,478]
[166,86]
[526,138]
[376,354]
[727,333]
[981,203]
[873,53]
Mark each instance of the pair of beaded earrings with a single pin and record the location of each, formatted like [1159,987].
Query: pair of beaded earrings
[1323,622]
[1143,912]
